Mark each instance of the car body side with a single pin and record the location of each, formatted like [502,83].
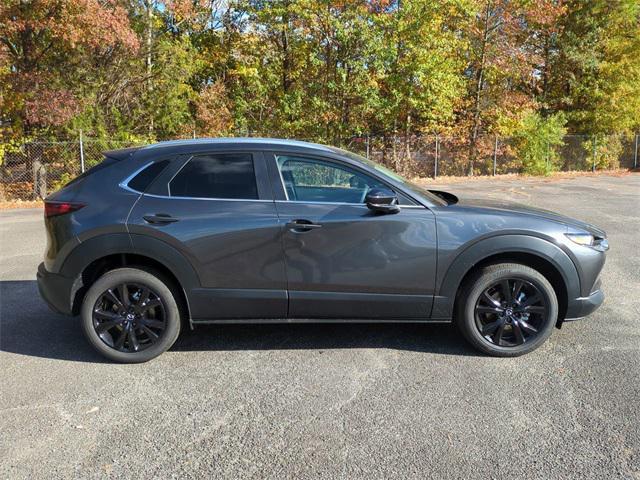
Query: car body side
[82,244]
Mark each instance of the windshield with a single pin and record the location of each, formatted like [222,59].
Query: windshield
[413,187]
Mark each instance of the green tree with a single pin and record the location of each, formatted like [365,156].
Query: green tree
[536,142]
[596,75]
[420,77]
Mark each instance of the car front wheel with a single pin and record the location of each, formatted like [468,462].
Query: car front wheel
[507,309]
[130,315]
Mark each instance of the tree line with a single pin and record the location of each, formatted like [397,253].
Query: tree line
[323,70]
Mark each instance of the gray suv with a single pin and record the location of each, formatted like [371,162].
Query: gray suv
[263,231]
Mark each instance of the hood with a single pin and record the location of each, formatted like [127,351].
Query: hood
[517,208]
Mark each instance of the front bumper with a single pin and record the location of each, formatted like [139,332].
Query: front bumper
[55,289]
[583,306]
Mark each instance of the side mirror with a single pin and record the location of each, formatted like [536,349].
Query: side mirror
[382,200]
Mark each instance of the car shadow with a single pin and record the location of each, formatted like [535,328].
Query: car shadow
[29,327]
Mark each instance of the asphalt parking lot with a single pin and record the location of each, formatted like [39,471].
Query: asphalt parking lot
[333,401]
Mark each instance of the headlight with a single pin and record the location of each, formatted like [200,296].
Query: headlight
[585,239]
[588,240]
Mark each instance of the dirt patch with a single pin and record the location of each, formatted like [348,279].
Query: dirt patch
[11,204]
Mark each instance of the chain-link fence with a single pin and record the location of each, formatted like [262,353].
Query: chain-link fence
[34,169]
[433,156]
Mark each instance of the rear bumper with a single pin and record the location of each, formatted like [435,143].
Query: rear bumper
[55,289]
[583,306]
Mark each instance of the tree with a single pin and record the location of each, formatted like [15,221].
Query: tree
[536,140]
[510,46]
[45,45]
[323,70]
[420,80]
[596,75]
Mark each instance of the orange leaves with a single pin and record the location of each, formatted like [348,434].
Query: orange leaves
[187,9]
[71,23]
[213,115]
[50,107]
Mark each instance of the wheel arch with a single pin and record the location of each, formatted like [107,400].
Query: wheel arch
[93,257]
[535,252]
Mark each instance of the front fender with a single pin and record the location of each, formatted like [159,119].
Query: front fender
[476,253]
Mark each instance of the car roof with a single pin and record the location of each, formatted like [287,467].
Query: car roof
[254,142]
[177,147]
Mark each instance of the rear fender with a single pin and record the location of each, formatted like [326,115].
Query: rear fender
[122,243]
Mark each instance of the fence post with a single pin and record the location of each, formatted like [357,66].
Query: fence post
[394,151]
[593,166]
[435,166]
[635,155]
[495,156]
[39,179]
[81,153]
[367,146]
[547,157]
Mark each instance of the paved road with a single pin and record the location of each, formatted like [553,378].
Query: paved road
[309,401]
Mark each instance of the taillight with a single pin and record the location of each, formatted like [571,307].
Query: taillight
[52,209]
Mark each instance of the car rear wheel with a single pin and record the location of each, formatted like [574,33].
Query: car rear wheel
[130,315]
[507,309]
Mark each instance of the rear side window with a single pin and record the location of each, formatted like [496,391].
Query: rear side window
[143,179]
[216,176]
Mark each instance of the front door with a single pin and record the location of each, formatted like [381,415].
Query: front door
[344,261]
[217,210]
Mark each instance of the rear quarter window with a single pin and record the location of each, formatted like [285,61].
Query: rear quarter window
[143,179]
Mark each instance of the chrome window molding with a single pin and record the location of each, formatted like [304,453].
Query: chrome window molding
[124,184]
[343,203]
[260,200]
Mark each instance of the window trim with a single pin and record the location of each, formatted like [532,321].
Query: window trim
[252,155]
[217,199]
[339,163]
[284,187]
[125,183]
[364,205]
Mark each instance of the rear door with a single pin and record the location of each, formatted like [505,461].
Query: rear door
[217,209]
[343,260]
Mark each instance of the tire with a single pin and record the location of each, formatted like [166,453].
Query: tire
[497,323]
[153,317]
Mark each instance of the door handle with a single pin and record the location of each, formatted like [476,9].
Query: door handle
[301,226]
[159,219]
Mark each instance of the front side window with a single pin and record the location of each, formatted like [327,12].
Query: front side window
[310,180]
[216,176]
[394,176]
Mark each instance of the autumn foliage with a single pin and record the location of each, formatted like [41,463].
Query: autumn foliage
[323,70]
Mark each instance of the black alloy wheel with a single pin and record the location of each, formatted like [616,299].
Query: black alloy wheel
[506,309]
[130,317]
[131,314]
[511,312]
